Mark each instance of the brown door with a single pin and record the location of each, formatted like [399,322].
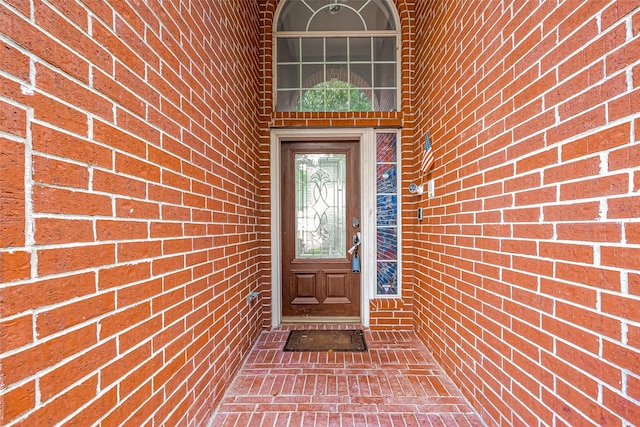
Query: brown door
[320,217]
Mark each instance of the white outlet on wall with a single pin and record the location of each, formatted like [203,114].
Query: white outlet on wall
[431,188]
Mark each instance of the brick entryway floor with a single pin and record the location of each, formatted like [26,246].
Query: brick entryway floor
[395,383]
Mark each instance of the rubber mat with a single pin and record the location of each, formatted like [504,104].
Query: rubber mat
[326,340]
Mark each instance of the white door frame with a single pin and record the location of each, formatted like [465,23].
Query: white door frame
[366,136]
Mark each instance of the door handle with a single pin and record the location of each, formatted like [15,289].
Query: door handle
[356,243]
[355,259]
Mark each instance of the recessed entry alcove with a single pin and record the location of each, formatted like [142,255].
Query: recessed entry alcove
[184,183]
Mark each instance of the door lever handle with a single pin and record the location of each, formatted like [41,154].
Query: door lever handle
[356,243]
[353,248]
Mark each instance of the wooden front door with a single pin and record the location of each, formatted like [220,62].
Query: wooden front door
[320,217]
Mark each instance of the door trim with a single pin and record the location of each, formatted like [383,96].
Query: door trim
[366,137]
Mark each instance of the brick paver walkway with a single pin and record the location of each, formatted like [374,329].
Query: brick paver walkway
[395,383]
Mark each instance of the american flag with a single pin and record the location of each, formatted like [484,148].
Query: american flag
[427,155]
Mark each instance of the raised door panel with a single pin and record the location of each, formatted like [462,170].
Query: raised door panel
[304,288]
[338,289]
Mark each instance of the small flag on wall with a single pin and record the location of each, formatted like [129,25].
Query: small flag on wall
[427,155]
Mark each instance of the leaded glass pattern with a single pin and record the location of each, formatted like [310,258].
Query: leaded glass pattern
[387,238]
[386,210]
[387,214]
[387,283]
[386,150]
[320,201]
[386,178]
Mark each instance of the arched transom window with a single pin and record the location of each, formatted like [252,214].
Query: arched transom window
[336,55]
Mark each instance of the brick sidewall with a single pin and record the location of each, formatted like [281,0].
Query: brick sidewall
[130,208]
[527,263]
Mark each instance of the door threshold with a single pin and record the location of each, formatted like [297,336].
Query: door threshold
[296,320]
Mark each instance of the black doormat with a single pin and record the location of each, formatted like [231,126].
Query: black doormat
[326,340]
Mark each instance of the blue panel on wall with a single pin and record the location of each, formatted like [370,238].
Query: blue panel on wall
[387,244]
[387,278]
[386,179]
[386,147]
[387,210]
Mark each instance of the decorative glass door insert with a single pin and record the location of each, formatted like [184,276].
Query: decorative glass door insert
[320,201]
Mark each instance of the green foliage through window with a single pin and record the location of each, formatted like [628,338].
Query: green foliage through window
[335,95]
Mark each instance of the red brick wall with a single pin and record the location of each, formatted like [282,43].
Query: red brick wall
[527,264]
[129,213]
